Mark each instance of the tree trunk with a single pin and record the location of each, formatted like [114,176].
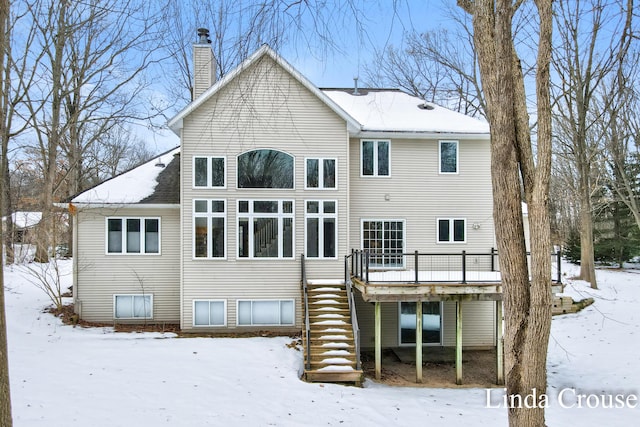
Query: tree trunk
[587,262]
[527,304]
[5,394]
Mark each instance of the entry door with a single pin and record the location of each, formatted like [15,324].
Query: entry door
[431,323]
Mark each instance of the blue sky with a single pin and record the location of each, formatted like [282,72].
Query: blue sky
[384,24]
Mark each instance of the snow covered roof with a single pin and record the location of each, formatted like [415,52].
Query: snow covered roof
[391,110]
[148,183]
[26,219]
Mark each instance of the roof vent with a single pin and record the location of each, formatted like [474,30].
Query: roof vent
[425,106]
[203,36]
[159,163]
[355,86]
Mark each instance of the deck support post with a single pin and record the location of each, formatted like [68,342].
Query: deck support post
[378,341]
[499,345]
[419,341]
[458,342]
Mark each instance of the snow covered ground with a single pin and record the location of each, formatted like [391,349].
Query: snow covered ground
[65,376]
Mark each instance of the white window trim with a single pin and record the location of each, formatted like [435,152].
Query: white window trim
[208,215]
[375,158]
[440,157]
[132,298]
[321,173]
[293,301]
[193,313]
[321,215]
[143,248]
[280,216]
[404,240]
[209,173]
[401,344]
[451,229]
[238,188]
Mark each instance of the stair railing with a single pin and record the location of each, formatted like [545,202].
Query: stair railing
[307,331]
[352,309]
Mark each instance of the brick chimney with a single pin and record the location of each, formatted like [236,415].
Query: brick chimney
[204,64]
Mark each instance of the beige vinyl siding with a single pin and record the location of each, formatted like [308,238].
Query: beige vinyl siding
[262,108]
[478,323]
[417,193]
[100,276]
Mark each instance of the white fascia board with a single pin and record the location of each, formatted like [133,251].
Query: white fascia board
[419,135]
[119,205]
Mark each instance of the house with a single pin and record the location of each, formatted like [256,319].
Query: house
[276,182]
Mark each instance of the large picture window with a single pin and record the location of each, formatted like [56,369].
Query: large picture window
[209,313]
[384,240]
[265,169]
[133,306]
[265,228]
[209,228]
[209,172]
[321,228]
[375,157]
[320,173]
[452,230]
[448,155]
[266,312]
[133,235]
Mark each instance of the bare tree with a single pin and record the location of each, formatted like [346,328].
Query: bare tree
[586,55]
[5,394]
[514,171]
[439,66]
[91,67]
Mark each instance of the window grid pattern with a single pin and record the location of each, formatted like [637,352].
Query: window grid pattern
[384,240]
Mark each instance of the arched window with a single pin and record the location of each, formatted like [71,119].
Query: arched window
[265,169]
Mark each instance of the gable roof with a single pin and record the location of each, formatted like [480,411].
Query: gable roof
[176,123]
[371,113]
[148,184]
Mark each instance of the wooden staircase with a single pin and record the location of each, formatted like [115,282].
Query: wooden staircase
[332,346]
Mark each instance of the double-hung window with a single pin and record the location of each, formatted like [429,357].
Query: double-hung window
[321,228]
[452,230]
[265,228]
[375,158]
[448,156]
[209,172]
[209,228]
[384,240]
[320,174]
[133,235]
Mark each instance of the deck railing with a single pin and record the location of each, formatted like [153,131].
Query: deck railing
[352,311]
[307,331]
[415,267]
